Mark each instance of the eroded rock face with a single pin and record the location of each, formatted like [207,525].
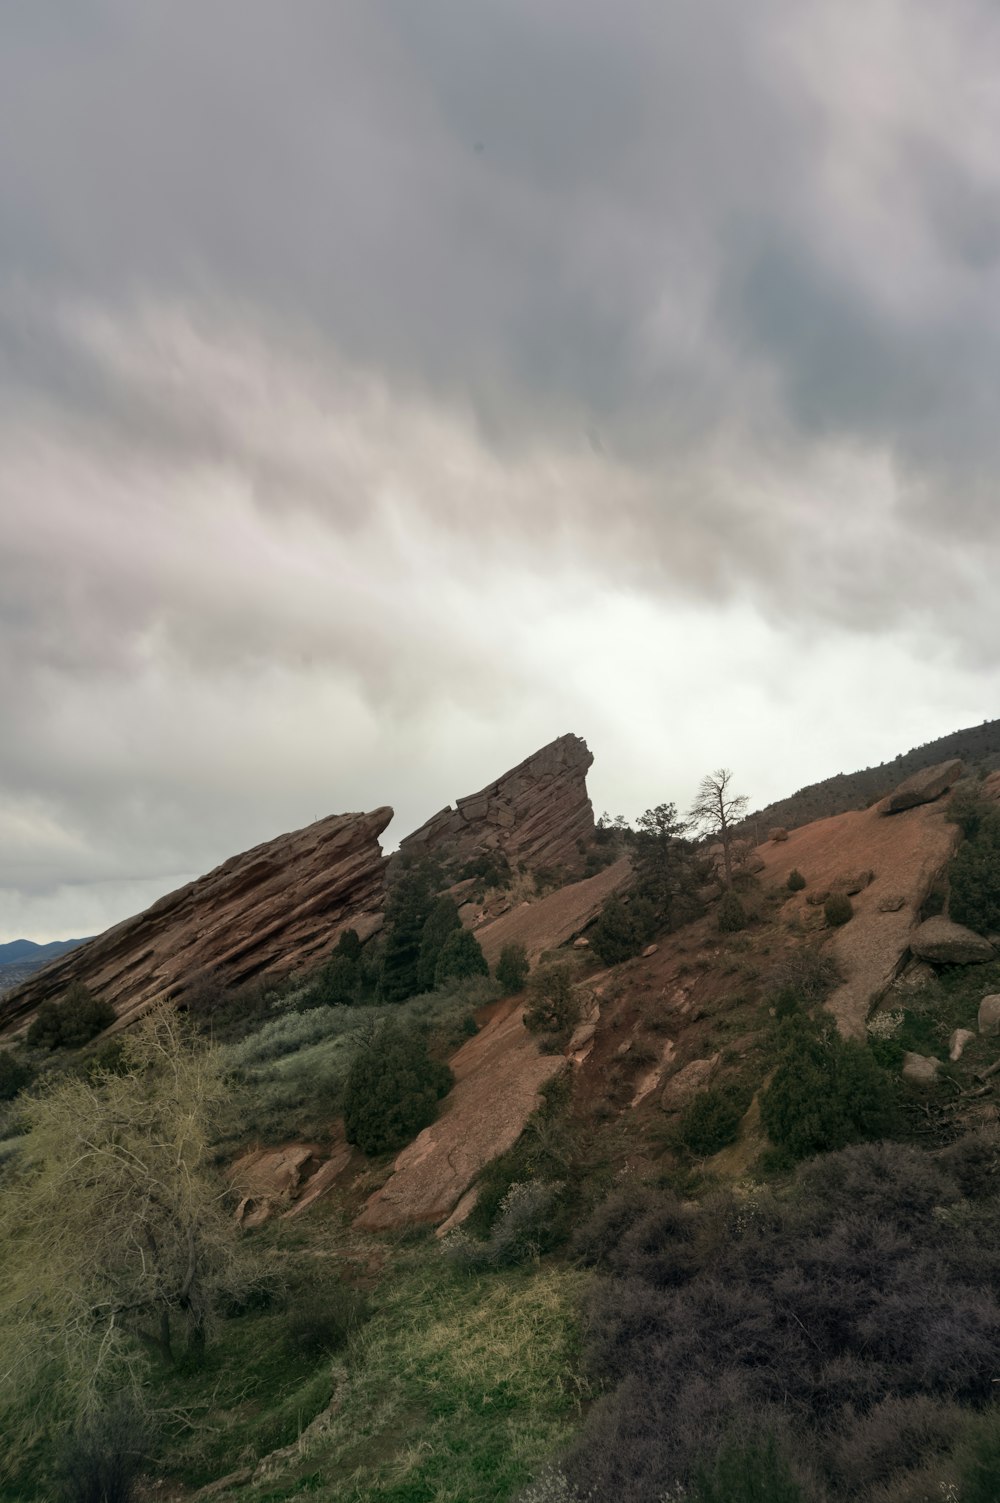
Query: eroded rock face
[272,909]
[943,942]
[536,813]
[924,786]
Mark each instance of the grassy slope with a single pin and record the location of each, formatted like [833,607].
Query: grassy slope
[454,1391]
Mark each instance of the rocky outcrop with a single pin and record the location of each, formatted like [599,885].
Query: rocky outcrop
[535,814]
[287,1180]
[943,942]
[271,910]
[924,786]
[907,857]
[989,1016]
[681,1089]
[552,920]
[498,1077]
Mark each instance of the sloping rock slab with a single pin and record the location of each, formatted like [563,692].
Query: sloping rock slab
[268,1178]
[536,813]
[906,856]
[943,942]
[923,787]
[554,919]
[274,908]
[498,1077]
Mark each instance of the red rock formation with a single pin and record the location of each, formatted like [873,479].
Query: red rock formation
[498,1079]
[536,813]
[272,909]
[906,854]
[552,920]
[924,786]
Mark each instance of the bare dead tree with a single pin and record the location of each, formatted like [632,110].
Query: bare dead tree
[717,809]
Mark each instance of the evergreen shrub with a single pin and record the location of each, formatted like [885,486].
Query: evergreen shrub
[461,956]
[731,915]
[392,1090]
[838,909]
[826,1092]
[617,934]
[712,1121]
[512,969]
[552,1004]
[14,1075]
[72,1022]
[974,878]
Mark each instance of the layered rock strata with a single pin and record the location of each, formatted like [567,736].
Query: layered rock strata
[270,910]
[536,814]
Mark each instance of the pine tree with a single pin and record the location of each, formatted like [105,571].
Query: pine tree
[392,1091]
[461,956]
[441,922]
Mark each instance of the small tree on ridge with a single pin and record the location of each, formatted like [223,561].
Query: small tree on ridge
[717,809]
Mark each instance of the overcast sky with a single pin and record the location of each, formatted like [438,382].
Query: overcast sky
[387,388]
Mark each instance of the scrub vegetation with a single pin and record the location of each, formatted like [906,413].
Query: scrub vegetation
[786,1291]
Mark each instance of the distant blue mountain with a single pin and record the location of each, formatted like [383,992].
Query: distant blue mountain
[21,958]
[27,949]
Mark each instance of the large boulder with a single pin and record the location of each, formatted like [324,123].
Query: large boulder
[681,1089]
[920,1069]
[924,786]
[537,813]
[943,942]
[276,908]
[989,1015]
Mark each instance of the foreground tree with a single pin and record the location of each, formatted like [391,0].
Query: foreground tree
[666,871]
[717,809]
[118,1228]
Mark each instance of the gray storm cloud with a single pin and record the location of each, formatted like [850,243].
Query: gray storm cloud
[387,388]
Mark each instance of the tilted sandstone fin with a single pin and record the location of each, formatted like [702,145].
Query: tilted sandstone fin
[536,813]
[271,909]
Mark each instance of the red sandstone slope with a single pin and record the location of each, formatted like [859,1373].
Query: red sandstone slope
[906,852]
[271,909]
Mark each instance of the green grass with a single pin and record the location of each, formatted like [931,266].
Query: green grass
[455,1391]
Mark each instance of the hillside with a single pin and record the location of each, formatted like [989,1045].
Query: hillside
[978,747]
[667,1212]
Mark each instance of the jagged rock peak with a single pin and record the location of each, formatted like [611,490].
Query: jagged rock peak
[536,813]
[271,909]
